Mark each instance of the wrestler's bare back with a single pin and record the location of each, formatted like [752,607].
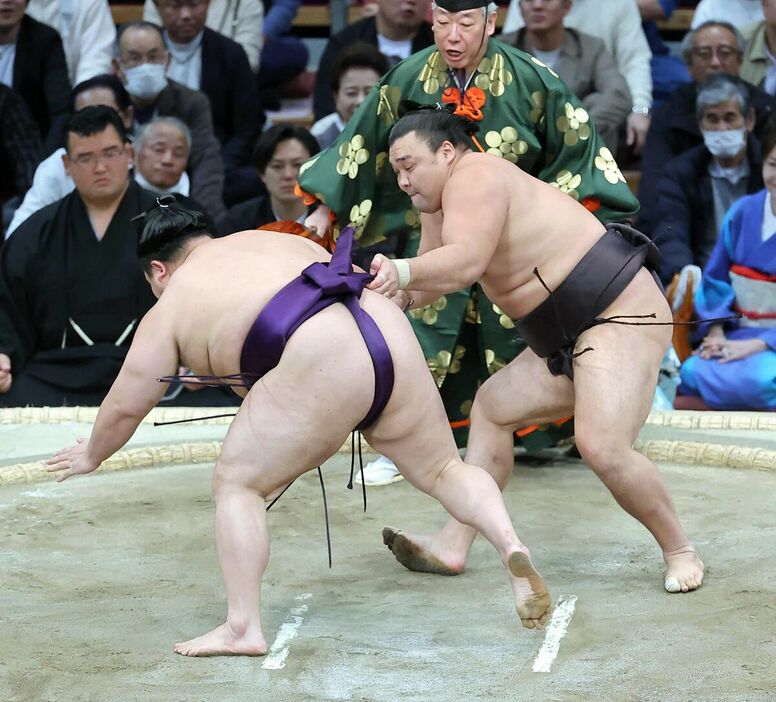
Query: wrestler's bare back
[214,297]
[543,228]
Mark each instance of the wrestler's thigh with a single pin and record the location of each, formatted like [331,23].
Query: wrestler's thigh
[523,392]
[412,430]
[615,382]
[301,412]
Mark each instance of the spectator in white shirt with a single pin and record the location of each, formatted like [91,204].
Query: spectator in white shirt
[240,20]
[739,13]
[87,31]
[155,169]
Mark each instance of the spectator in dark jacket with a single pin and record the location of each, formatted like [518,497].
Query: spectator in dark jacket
[32,62]
[698,187]
[19,151]
[398,30]
[218,66]
[712,48]
[278,156]
[141,65]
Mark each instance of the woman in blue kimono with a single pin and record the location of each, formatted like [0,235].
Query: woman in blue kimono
[734,368]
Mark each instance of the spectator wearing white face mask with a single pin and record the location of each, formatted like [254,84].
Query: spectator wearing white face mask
[141,63]
[698,187]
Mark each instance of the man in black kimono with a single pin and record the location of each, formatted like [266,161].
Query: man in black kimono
[71,288]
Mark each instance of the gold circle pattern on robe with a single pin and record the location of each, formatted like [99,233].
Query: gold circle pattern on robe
[352,155]
[505,144]
[574,124]
[568,182]
[605,162]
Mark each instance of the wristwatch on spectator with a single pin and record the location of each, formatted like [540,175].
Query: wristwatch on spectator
[641,110]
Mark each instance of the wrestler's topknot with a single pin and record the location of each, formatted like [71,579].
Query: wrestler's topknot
[434,124]
[166,227]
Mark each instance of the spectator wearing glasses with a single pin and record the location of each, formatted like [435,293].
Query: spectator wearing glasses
[713,47]
[71,288]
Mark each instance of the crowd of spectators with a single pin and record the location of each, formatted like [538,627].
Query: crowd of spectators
[96,120]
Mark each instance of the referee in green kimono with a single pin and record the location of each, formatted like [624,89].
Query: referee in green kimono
[526,115]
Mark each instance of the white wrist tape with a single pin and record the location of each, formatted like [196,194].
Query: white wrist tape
[403,269]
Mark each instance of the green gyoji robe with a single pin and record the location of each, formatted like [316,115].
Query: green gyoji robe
[526,115]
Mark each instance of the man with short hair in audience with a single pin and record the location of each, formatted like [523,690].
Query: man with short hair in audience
[581,60]
[87,30]
[51,181]
[141,64]
[398,29]
[240,20]
[32,62]
[71,288]
[159,169]
[357,68]
[714,47]
[618,25]
[739,13]
[759,63]
[698,187]
[208,61]
[162,153]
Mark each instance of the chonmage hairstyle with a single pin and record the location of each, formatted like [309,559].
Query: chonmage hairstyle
[166,228]
[433,124]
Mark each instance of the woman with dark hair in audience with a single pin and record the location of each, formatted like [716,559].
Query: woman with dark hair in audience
[278,155]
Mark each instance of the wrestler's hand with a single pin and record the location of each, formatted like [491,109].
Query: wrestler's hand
[6,379]
[735,350]
[71,461]
[637,128]
[318,222]
[386,275]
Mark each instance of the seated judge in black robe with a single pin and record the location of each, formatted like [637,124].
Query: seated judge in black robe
[71,288]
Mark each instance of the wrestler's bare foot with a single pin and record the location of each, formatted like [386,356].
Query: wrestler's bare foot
[222,641]
[532,598]
[684,570]
[423,554]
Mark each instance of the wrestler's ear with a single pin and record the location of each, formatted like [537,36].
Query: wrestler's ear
[158,272]
[448,151]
